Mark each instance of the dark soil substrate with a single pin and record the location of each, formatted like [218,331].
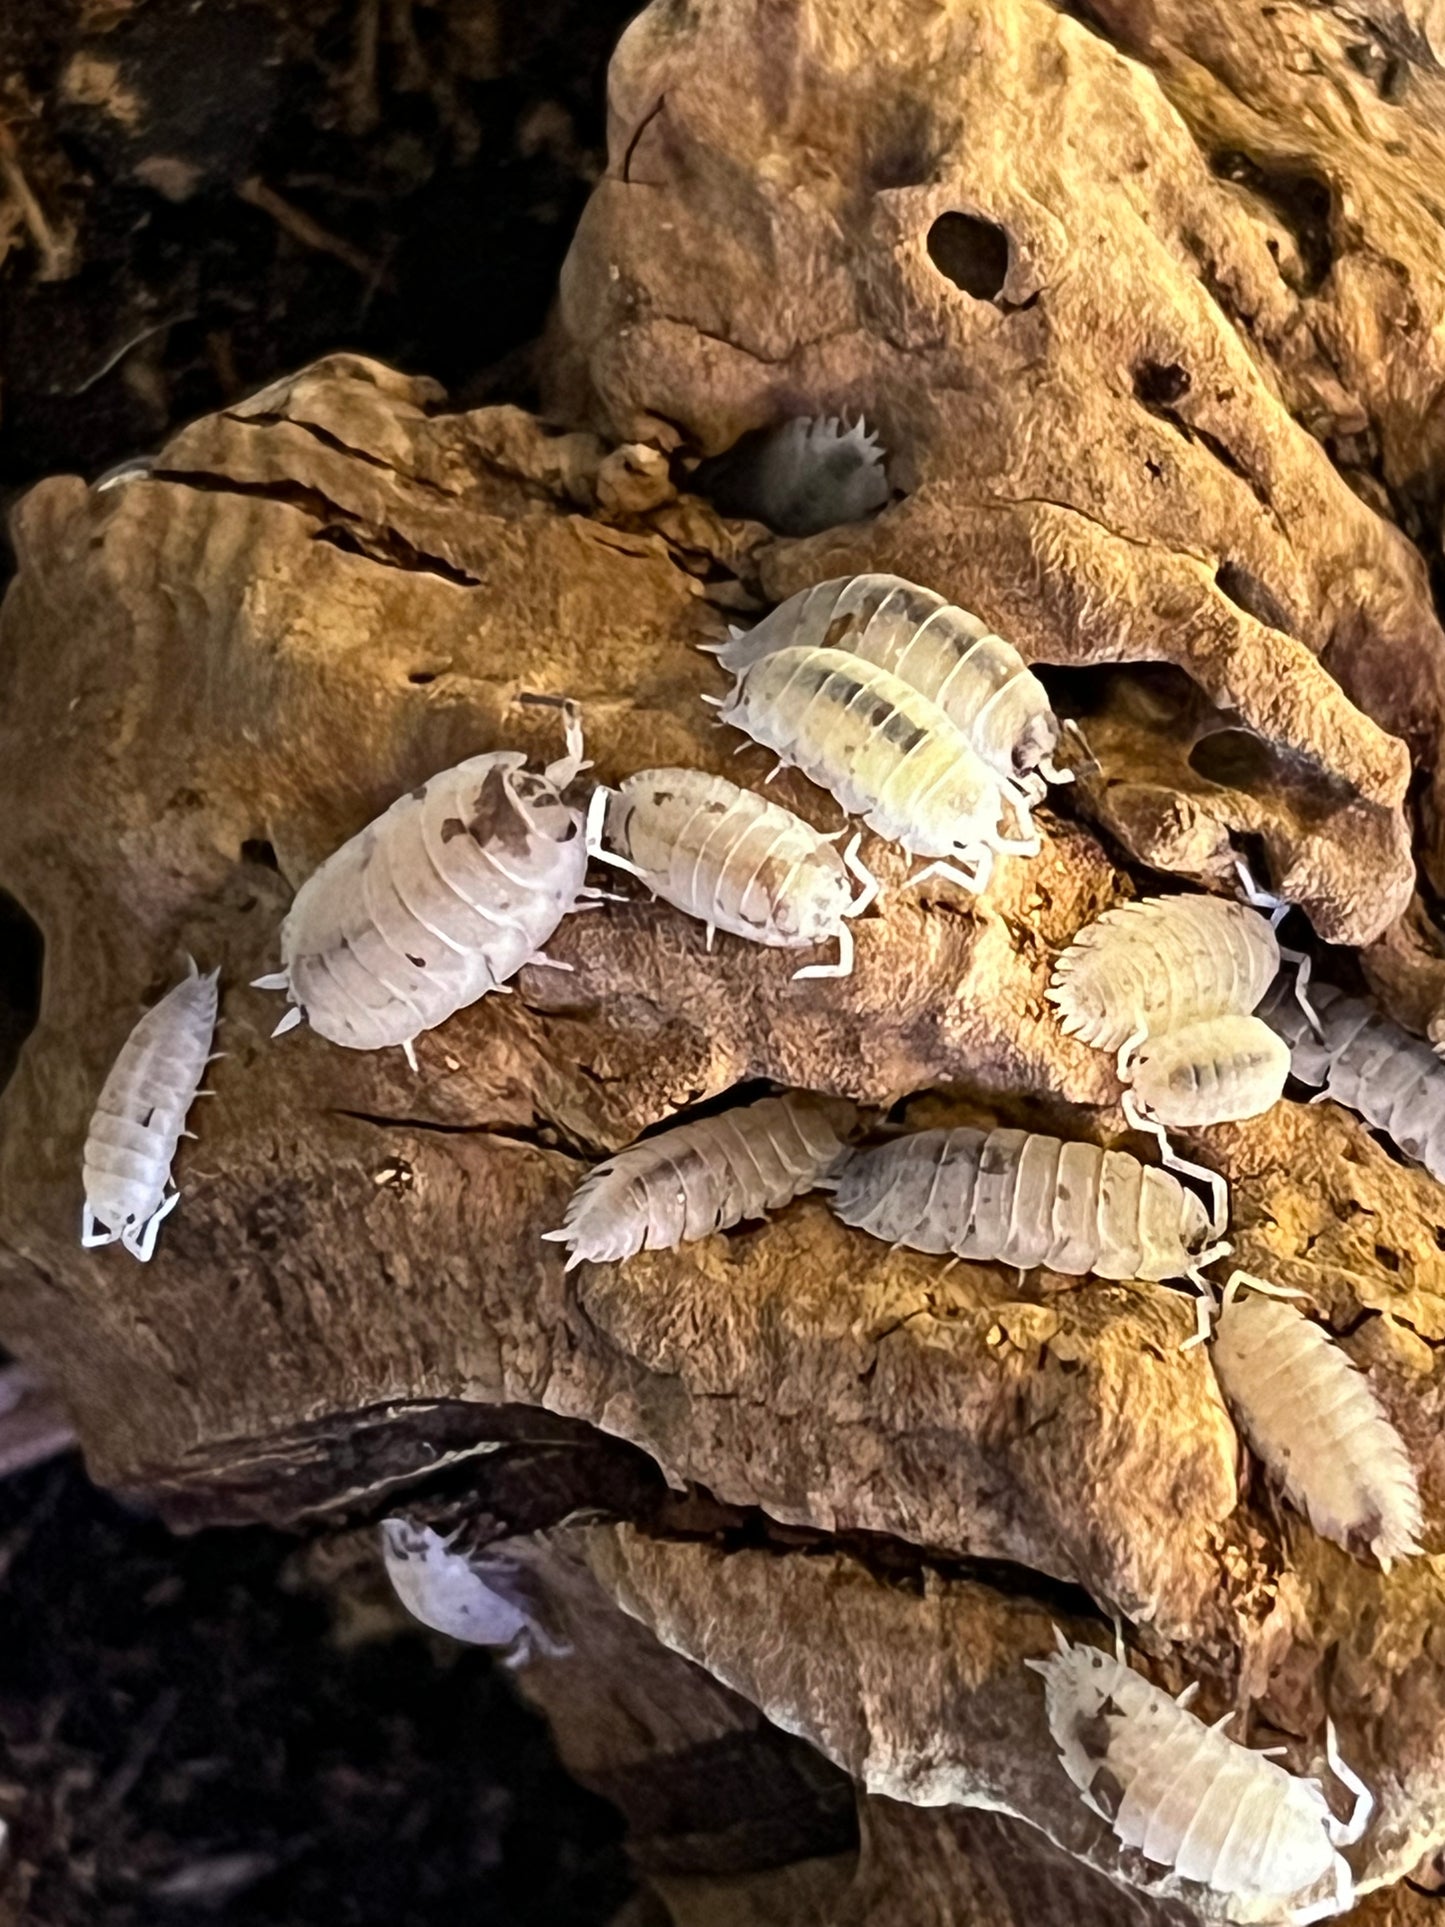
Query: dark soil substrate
[231,187]
[184,1740]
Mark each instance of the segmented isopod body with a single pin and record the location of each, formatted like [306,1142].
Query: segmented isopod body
[1191,1799]
[1024,1199]
[979,681]
[1371,1066]
[734,860]
[702,1177]
[885,752]
[1311,1418]
[141,1114]
[1154,966]
[438,901]
[1212,1072]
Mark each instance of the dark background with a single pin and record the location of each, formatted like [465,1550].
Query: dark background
[195,198]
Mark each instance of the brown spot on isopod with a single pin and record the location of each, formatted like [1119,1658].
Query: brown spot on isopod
[417,963]
[496,822]
[453,827]
[1108,1791]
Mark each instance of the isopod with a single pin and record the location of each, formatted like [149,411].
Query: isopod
[1215,1071]
[801,477]
[481,1598]
[734,860]
[979,681]
[1313,1421]
[1370,1065]
[702,1177]
[1025,1199]
[1160,964]
[141,1114]
[1189,1798]
[887,753]
[439,900]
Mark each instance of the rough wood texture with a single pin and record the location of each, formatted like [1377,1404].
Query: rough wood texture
[1152,338]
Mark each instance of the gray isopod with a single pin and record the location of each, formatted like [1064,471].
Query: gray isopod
[1366,1062]
[702,1177]
[140,1117]
[438,901]
[734,860]
[887,753]
[1025,1199]
[1189,1798]
[979,681]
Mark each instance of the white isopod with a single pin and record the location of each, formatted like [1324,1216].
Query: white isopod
[1313,1421]
[1189,1798]
[1370,1065]
[887,753]
[1213,1072]
[481,1598]
[979,681]
[141,1114]
[1026,1200]
[1159,964]
[439,900]
[734,860]
[702,1177]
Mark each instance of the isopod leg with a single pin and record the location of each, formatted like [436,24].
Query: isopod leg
[596,818]
[1203,1311]
[871,885]
[842,968]
[1255,895]
[951,873]
[146,1232]
[1127,1049]
[90,1237]
[409,1052]
[1184,1698]
[1301,981]
[549,963]
[1346,1834]
[1218,1189]
[1051,772]
[1240,1280]
[1072,728]
[276,980]
[572,764]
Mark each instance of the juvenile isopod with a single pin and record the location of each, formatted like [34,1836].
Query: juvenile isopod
[481,1598]
[141,1114]
[734,860]
[439,900]
[886,753]
[1025,1199]
[702,1177]
[979,681]
[801,477]
[1216,1071]
[1366,1062]
[1189,1798]
[1313,1421]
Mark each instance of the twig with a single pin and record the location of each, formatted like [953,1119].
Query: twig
[302,228]
[54,254]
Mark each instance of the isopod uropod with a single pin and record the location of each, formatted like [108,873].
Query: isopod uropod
[732,859]
[1370,1065]
[1189,1798]
[439,900]
[886,753]
[1026,1199]
[702,1177]
[140,1117]
[1312,1420]
[979,681]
